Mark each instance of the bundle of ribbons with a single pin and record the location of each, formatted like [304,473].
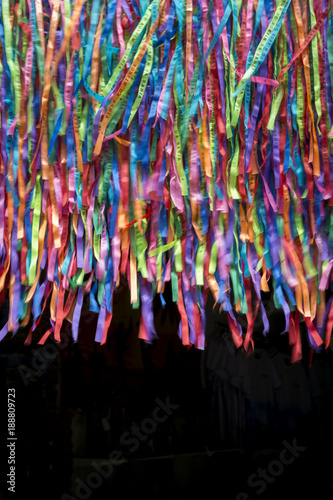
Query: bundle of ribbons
[181,141]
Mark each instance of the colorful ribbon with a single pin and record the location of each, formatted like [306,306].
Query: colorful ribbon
[184,141]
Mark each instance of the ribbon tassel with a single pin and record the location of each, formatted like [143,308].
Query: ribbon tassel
[189,142]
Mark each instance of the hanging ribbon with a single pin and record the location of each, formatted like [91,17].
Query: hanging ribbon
[182,141]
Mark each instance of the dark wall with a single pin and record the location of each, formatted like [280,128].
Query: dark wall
[231,414]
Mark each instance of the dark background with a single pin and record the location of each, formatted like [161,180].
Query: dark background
[75,401]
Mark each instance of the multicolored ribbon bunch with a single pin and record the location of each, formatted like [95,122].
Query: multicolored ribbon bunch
[182,141]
